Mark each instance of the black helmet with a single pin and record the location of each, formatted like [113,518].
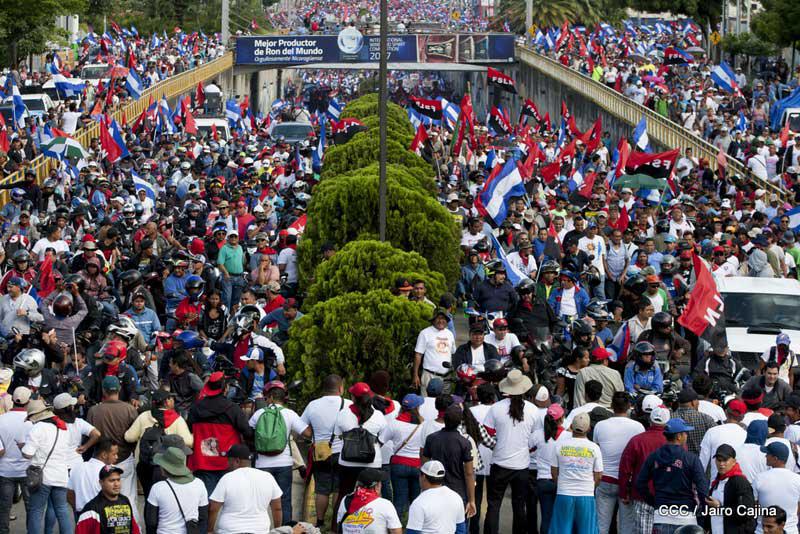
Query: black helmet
[636,284]
[21,256]
[518,352]
[495,266]
[596,309]
[662,226]
[580,328]
[130,278]
[661,320]
[481,246]
[77,280]
[644,347]
[591,278]
[690,529]
[493,371]
[549,266]
[526,286]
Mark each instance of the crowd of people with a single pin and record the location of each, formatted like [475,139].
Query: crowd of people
[146,304]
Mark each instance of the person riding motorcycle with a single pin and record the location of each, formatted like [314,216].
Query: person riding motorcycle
[131,282]
[676,286]
[22,269]
[91,324]
[721,367]
[495,294]
[188,311]
[532,318]
[669,345]
[30,371]
[642,372]
[113,363]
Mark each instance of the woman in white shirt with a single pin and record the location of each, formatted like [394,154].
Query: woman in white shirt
[404,433]
[359,414]
[513,421]
[544,440]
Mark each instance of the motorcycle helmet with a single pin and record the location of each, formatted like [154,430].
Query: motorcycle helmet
[661,320]
[580,328]
[21,256]
[527,286]
[191,340]
[30,360]
[77,280]
[662,226]
[481,247]
[495,266]
[17,194]
[130,278]
[129,211]
[550,266]
[195,287]
[493,371]
[591,278]
[636,284]
[466,373]
[669,265]
[247,315]
[115,349]
[642,348]
[124,328]
[62,306]
[596,309]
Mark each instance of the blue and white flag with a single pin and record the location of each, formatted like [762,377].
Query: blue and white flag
[723,76]
[508,183]
[13,94]
[450,113]
[334,109]
[155,42]
[116,133]
[134,85]
[233,112]
[143,185]
[68,87]
[742,123]
[491,160]
[319,152]
[640,137]
[514,274]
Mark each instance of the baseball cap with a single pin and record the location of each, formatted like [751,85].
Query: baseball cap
[556,411]
[737,407]
[783,339]
[659,416]
[581,423]
[412,400]
[274,286]
[435,387]
[21,395]
[239,451]
[108,470]
[725,452]
[360,389]
[542,395]
[600,354]
[64,400]
[433,468]
[650,403]
[371,476]
[111,383]
[676,425]
[776,423]
[687,395]
[160,395]
[778,450]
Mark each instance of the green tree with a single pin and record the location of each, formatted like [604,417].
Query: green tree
[362,266]
[367,107]
[746,44]
[346,209]
[363,150]
[353,335]
[27,25]
[778,23]
[547,13]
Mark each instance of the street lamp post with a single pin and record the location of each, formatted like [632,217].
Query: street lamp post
[383,103]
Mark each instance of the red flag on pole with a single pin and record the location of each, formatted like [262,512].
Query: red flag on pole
[189,124]
[704,313]
[199,96]
[4,142]
[420,138]
[624,219]
[110,147]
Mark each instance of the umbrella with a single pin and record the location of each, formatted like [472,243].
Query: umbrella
[637,57]
[654,79]
[117,71]
[640,181]
[64,147]
[696,50]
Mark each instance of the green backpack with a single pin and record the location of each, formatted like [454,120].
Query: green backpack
[271,433]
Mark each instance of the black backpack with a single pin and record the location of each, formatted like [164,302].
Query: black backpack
[358,446]
[150,444]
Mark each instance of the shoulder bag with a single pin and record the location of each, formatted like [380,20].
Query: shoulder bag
[34,475]
[193,525]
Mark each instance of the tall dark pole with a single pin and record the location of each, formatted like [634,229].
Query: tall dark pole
[383,103]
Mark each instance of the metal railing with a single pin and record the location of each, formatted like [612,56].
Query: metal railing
[169,88]
[659,128]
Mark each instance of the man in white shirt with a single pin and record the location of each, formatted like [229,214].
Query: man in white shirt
[778,486]
[576,467]
[244,498]
[612,435]
[524,260]
[320,415]
[437,509]
[162,513]
[502,339]
[13,429]
[279,465]
[435,345]
[84,482]
[364,511]
[53,240]
[702,386]
[732,433]
[595,247]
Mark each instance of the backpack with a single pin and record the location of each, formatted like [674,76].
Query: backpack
[358,446]
[271,433]
[150,443]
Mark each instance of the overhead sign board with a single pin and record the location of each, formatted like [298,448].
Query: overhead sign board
[350,46]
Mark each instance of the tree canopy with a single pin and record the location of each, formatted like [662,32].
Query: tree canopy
[27,25]
[778,23]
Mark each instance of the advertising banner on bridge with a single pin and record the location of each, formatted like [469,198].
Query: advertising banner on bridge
[350,46]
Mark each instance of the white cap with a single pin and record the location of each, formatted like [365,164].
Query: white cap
[627,190]
[760,193]
[433,468]
[21,395]
[258,208]
[542,395]
[659,416]
[726,203]
[650,402]
[452,196]
[64,400]
[232,232]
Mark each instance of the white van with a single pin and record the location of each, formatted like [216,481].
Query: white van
[792,117]
[38,104]
[756,311]
[204,129]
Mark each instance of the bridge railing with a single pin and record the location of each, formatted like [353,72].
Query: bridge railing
[659,128]
[169,88]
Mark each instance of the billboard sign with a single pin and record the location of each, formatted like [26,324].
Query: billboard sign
[350,46]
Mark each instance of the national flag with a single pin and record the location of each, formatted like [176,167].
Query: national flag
[109,145]
[155,42]
[420,138]
[704,314]
[318,154]
[624,151]
[134,85]
[498,122]
[529,109]
[561,166]
[116,28]
[143,185]
[640,138]
[676,56]
[116,133]
[591,137]
[416,119]
[345,129]
[722,75]
[450,113]
[534,157]
[299,225]
[199,96]
[545,125]
[505,183]
[585,189]
[502,81]
[233,112]
[68,87]
[621,344]
[513,273]
[334,109]
[139,122]
[655,165]
[189,124]
[13,94]
[427,107]
[742,124]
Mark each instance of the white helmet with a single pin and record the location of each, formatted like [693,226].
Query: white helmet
[31,360]
[246,315]
[124,328]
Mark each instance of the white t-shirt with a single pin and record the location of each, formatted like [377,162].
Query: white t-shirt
[730,433]
[751,460]
[293,425]
[375,425]
[436,510]
[503,347]
[612,435]
[397,432]
[13,430]
[594,247]
[245,494]
[288,257]
[718,521]
[192,496]
[479,411]
[428,428]
[583,408]
[749,417]
[320,415]
[577,459]
[374,518]
[513,437]
[545,452]
[712,410]
[70,121]
[778,487]
[77,431]
[428,410]
[568,306]
[43,244]
[85,482]
[38,444]
[436,346]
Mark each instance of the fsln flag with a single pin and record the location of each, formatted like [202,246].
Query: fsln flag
[500,80]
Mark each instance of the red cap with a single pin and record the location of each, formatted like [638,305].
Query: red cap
[718,249]
[273,384]
[599,354]
[241,204]
[500,323]
[214,385]
[87,238]
[686,255]
[738,407]
[360,389]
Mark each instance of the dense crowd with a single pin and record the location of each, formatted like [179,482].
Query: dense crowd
[147,300]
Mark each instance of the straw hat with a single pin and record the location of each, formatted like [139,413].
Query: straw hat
[515,383]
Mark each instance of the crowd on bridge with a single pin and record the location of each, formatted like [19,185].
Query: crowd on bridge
[150,285]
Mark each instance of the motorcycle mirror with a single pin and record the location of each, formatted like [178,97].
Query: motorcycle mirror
[294,384]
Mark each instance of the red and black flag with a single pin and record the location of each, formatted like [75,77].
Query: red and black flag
[654,165]
[498,122]
[345,129]
[676,56]
[529,109]
[704,314]
[429,108]
[500,80]
[562,166]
